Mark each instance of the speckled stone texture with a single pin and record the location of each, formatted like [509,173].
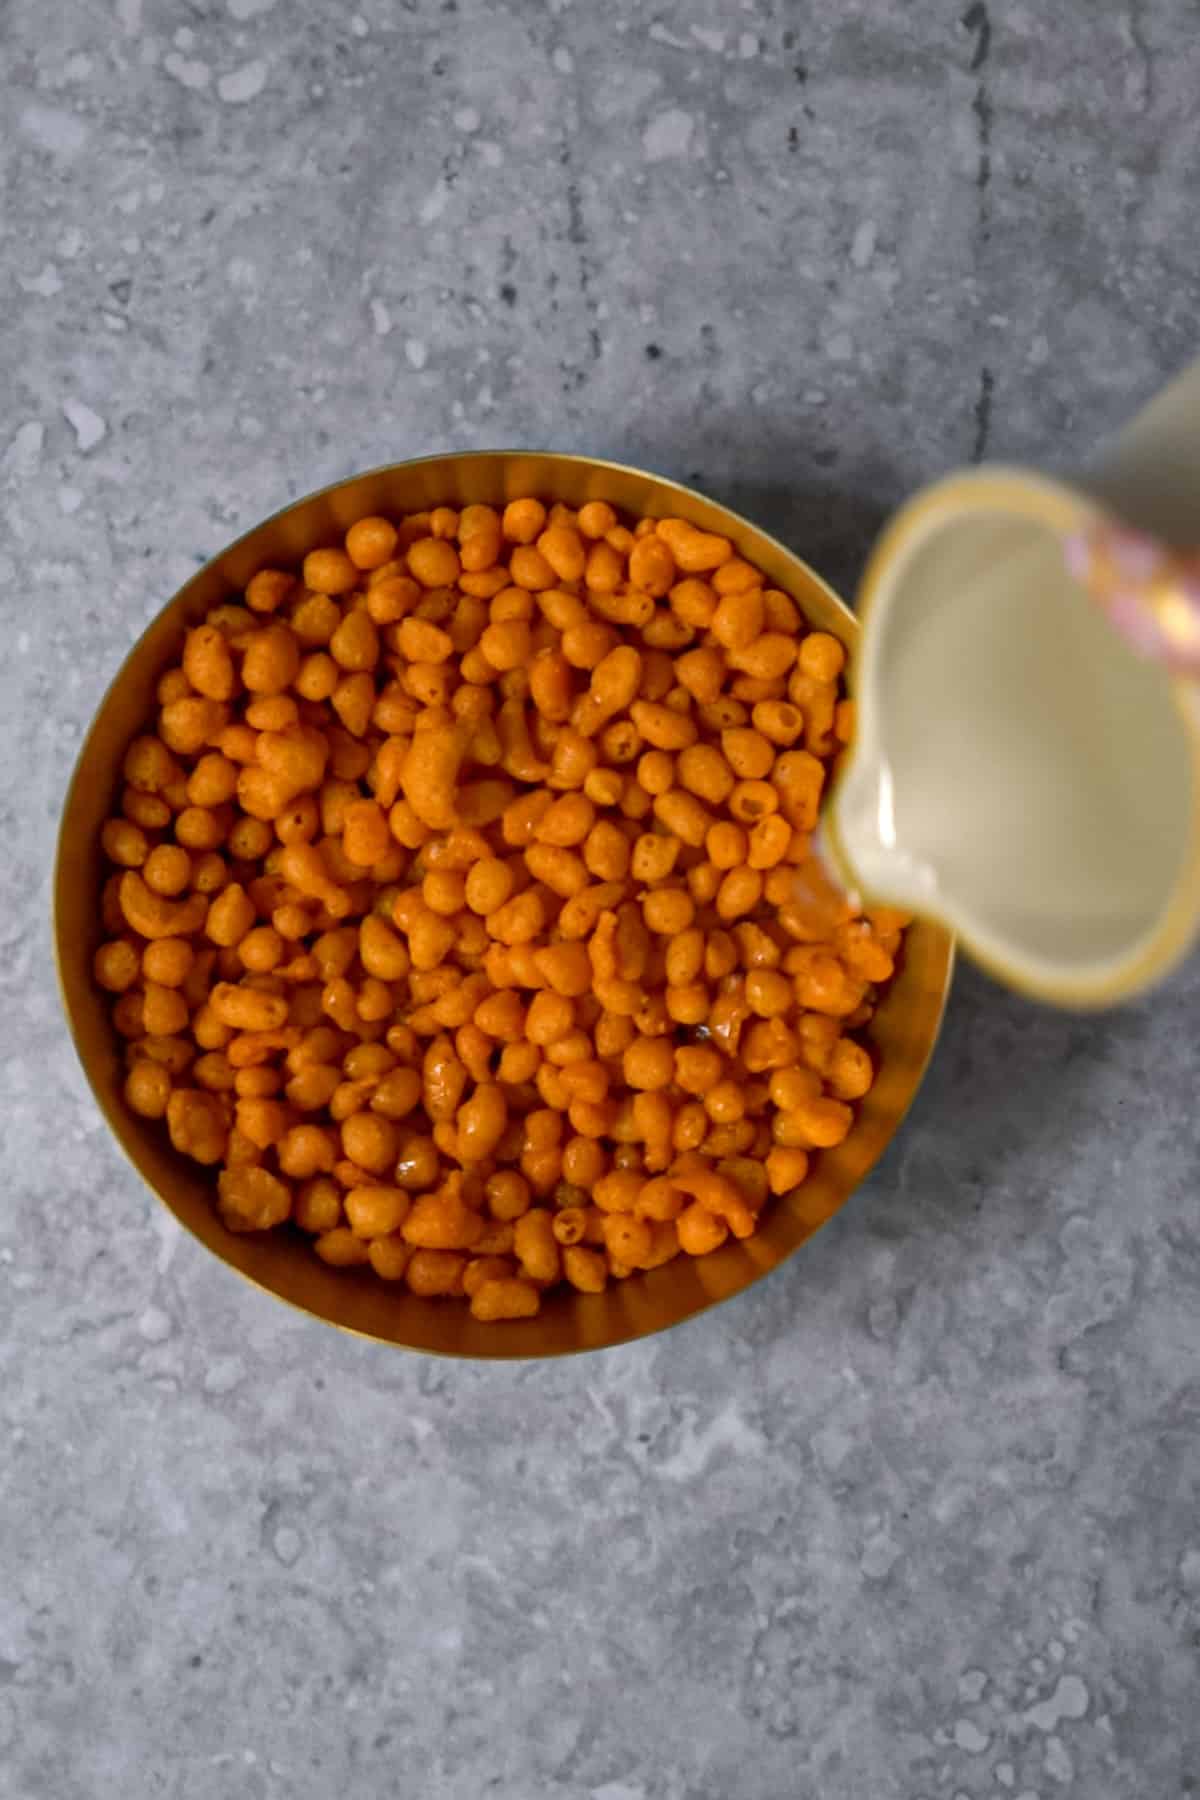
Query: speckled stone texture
[916,1518]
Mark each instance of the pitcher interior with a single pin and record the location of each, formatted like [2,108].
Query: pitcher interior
[1031,779]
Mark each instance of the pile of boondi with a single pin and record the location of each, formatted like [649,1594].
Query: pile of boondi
[452,916]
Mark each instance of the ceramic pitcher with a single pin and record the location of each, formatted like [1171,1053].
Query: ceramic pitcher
[1027,761]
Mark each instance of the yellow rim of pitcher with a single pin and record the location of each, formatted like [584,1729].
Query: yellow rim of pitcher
[1064,510]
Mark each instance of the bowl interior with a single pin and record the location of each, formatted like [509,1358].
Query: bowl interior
[901,1035]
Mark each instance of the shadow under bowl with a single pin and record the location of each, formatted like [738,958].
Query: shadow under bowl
[900,1037]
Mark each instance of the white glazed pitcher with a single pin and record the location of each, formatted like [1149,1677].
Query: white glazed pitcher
[1021,772]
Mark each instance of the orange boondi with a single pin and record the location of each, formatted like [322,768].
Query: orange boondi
[451,915]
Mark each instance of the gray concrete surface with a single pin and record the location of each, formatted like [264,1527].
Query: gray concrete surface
[915,1519]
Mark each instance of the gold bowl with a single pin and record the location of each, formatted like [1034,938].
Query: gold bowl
[901,1036]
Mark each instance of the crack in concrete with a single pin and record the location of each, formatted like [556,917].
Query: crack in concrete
[983,414]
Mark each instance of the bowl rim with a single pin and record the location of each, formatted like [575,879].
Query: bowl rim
[128,1132]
